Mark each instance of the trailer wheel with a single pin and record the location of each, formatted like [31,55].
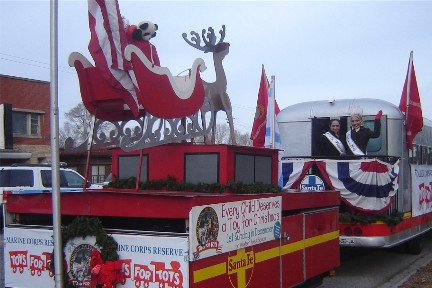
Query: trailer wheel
[415,246]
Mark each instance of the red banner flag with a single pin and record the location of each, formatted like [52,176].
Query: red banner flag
[259,124]
[410,104]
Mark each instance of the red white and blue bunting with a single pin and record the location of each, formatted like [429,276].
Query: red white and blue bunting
[365,184]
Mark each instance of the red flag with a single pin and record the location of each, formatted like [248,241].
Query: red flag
[259,124]
[107,43]
[410,104]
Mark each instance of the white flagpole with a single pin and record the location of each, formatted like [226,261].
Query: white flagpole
[273,112]
[55,163]
[269,134]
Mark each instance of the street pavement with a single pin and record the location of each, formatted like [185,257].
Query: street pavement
[383,268]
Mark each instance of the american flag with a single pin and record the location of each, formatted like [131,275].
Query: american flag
[107,43]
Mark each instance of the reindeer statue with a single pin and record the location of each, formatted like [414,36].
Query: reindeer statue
[215,91]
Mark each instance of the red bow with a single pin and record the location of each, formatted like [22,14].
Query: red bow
[107,273]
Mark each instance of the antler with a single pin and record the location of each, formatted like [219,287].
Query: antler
[209,39]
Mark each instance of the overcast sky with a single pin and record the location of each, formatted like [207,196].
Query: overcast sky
[316,50]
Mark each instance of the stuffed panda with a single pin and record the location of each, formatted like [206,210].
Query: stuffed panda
[140,36]
[145,30]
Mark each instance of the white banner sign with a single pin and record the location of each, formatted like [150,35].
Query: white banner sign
[148,261]
[422,189]
[152,261]
[225,227]
[27,257]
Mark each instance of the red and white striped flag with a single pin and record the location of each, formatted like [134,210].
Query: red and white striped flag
[410,104]
[107,43]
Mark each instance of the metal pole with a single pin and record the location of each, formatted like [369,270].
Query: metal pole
[272,89]
[55,163]
[89,149]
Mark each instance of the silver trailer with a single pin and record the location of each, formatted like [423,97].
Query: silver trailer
[301,124]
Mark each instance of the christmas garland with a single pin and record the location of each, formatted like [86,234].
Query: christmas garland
[171,184]
[82,227]
[363,219]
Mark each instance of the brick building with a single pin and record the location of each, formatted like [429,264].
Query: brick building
[25,135]
[25,120]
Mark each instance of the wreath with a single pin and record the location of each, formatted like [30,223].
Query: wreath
[106,269]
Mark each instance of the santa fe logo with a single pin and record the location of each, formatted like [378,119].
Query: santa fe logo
[312,183]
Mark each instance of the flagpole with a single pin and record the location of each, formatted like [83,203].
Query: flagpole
[272,89]
[55,163]
[408,85]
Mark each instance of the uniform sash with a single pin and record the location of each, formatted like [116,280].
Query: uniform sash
[351,144]
[336,143]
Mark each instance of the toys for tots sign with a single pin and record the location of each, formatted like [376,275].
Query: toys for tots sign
[147,261]
[230,226]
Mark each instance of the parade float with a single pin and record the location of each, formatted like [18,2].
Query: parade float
[177,213]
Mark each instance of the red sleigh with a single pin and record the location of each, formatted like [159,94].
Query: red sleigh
[98,96]
[162,95]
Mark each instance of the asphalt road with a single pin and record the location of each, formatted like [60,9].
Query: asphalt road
[377,268]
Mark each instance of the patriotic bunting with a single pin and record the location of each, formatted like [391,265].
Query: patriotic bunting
[367,184]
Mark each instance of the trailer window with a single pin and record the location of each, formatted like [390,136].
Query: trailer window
[202,168]
[420,155]
[430,155]
[374,144]
[321,126]
[424,155]
[415,154]
[128,167]
[250,169]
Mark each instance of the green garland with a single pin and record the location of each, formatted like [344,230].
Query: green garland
[82,227]
[363,219]
[171,184]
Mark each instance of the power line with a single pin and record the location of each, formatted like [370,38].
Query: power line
[244,107]
[43,65]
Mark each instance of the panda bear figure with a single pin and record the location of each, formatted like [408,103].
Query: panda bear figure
[145,30]
[140,35]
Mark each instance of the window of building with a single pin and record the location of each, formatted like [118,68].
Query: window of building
[98,173]
[26,123]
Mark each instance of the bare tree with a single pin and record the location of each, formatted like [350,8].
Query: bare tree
[243,138]
[223,136]
[78,124]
